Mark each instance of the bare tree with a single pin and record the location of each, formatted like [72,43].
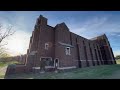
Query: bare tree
[3,51]
[4,33]
[8,32]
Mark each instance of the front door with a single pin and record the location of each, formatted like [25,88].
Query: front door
[56,63]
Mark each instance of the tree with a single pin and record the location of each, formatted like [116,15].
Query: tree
[117,57]
[4,55]
[5,33]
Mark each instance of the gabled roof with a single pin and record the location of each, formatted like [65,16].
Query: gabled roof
[62,25]
[103,35]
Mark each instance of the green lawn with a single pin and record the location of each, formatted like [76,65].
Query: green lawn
[96,72]
[3,66]
[118,61]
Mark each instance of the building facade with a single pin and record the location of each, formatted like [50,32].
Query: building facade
[57,45]
[60,48]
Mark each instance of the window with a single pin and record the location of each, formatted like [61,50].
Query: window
[67,50]
[85,51]
[49,62]
[91,51]
[46,46]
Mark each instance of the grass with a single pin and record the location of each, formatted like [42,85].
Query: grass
[118,61]
[3,66]
[96,72]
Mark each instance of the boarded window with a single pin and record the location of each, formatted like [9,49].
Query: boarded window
[49,62]
[67,50]
[46,46]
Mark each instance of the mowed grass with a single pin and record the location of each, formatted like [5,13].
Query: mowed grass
[3,66]
[96,72]
[118,61]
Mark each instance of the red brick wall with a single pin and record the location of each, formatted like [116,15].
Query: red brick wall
[44,33]
[62,34]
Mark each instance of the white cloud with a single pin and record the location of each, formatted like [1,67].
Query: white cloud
[96,26]
[115,34]
[89,28]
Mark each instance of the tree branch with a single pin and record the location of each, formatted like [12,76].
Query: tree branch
[7,33]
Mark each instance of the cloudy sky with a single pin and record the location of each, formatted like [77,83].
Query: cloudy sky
[88,24]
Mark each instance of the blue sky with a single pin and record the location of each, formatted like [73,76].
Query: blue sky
[88,24]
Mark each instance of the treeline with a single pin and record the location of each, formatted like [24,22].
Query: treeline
[6,59]
[117,57]
[20,58]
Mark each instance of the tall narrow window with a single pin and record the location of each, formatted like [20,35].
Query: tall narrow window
[95,49]
[96,57]
[67,50]
[86,56]
[92,57]
[99,52]
[91,53]
[85,52]
[46,46]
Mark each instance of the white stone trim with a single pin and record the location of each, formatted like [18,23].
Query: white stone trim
[35,67]
[49,67]
[45,67]
[54,67]
[92,60]
[67,67]
[65,44]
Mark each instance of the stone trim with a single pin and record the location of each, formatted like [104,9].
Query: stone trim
[65,44]
[61,68]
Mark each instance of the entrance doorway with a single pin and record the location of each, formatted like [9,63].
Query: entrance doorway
[56,63]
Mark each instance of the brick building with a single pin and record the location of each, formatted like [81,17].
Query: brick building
[57,46]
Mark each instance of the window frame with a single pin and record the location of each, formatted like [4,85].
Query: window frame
[67,51]
[46,46]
